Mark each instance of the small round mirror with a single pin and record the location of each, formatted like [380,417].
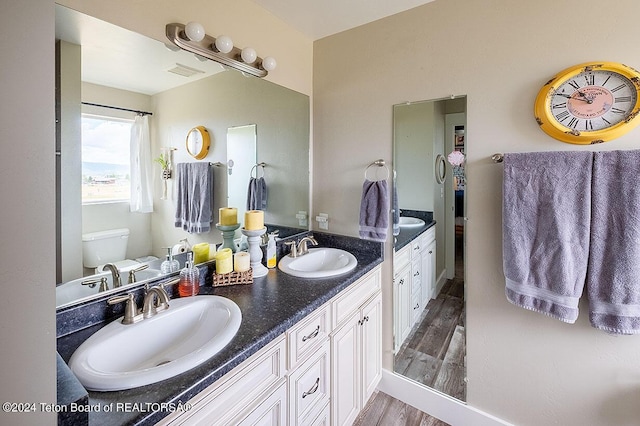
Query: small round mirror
[198,142]
[441,169]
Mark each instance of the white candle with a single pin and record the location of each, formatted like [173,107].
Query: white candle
[241,261]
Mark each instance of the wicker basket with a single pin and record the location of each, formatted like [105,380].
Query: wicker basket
[233,278]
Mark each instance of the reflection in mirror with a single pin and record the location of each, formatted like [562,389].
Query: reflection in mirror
[428,261]
[241,150]
[181,92]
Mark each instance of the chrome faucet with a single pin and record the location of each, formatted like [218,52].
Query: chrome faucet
[155,300]
[302,245]
[114,273]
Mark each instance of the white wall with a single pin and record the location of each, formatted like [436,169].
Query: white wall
[523,367]
[27,271]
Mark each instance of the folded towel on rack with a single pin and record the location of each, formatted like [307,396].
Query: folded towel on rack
[546,223]
[374,210]
[613,286]
[194,197]
[257,194]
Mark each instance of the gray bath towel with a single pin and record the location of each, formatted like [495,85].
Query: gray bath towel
[613,283]
[194,199]
[374,210]
[546,222]
[395,209]
[257,194]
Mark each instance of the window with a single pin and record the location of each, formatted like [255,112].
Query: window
[105,159]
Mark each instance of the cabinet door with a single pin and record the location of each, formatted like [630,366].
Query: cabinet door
[345,372]
[371,324]
[401,305]
[429,273]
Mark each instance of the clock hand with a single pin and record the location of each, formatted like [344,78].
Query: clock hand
[577,99]
[587,99]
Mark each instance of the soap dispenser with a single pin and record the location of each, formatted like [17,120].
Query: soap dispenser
[189,284]
[271,250]
[170,265]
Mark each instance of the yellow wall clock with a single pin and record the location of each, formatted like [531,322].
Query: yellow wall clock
[590,103]
[198,142]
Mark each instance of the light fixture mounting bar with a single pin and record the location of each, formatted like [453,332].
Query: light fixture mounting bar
[206,48]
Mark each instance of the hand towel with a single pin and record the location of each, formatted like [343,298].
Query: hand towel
[374,210]
[613,282]
[194,199]
[395,208]
[546,222]
[257,194]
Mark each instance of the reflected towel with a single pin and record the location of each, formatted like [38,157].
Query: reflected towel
[546,223]
[614,260]
[194,199]
[395,208]
[257,194]
[374,210]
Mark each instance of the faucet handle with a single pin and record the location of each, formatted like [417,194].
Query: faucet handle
[92,283]
[132,273]
[130,309]
[294,248]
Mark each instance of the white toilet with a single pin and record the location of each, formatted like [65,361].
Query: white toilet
[99,248]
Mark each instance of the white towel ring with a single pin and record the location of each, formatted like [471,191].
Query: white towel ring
[256,169]
[379,163]
[441,169]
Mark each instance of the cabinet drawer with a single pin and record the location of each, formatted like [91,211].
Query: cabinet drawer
[237,389]
[416,247]
[416,275]
[272,411]
[428,236]
[309,387]
[306,336]
[416,306]
[353,297]
[402,257]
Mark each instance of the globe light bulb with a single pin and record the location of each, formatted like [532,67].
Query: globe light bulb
[224,44]
[269,63]
[194,31]
[248,55]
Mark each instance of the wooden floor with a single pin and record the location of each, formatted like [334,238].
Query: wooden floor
[384,410]
[434,352]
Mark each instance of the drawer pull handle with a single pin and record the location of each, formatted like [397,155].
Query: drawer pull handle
[312,335]
[416,248]
[363,320]
[416,274]
[313,389]
[402,281]
[417,306]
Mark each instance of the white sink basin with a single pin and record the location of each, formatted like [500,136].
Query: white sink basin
[319,263]
[187,334]
[74,291]
[410,222]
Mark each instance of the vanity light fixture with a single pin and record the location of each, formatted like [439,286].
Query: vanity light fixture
[192,38]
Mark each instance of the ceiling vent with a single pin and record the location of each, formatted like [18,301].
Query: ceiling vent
[185,71]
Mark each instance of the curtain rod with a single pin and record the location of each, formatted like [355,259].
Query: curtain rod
[118,108]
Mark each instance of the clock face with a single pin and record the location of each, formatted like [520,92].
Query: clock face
[593,100]
[589,103]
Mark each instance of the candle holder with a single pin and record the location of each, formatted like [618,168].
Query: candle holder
[255,253]
[228,235]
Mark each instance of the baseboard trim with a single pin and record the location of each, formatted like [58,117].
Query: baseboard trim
[434,403]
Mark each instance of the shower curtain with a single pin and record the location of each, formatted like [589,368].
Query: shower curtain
[141,162]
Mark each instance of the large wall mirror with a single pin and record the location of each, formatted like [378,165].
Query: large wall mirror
[100,66]
[428,284]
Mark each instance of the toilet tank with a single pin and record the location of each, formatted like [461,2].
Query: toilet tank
[103,247]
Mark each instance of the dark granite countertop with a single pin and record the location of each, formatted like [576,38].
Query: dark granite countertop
[407,235]
[270,306]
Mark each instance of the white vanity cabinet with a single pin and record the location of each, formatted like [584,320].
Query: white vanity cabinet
[414,283]
[356,348]
[319,372]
